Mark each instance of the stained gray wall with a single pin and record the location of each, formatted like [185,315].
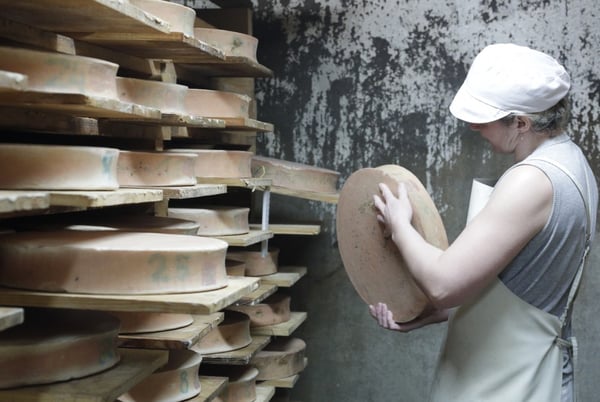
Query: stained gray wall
[364,83]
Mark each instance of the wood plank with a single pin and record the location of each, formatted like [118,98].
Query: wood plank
[331,198]
[282,329]
[231,66]
[199,190]
[135,365]
[93,199]
[210,388]
[291,229]
[19,119]
[77,105]
[286,382]
[247,239]
[251,183]
[244,123]
[180,338]
[194,303]
[10,316]
[240,356]
[83,16]
[285,277]
[10,81]
[264,393]
[17,201]
[263,291]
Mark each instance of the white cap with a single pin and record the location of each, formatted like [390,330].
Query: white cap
[506,78]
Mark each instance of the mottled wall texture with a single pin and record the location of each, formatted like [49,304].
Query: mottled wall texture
[361,83]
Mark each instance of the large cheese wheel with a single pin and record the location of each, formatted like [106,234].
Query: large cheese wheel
[234,267]
[219,163]
[282,357]
[295,176]
[373,263]
[167,97]
[241,384]
[274,310]
[231,334]
[148,169]
[175,381]
[136,322]
[257,264]
[57,167]
[56,345]
[213,103]
[107,262]
[61,73]
[233,44]
[180,18]
[215,220]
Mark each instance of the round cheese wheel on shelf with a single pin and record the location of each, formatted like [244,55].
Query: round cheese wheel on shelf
[107,262]
[154,169]
[295,176]
[282,357]
[57,167]
[273,310]
[233,44]
[231,334]
[215,220]
[166,96]
[137,322]
[61,73]
[216,104]
[55,345]
[372,261]
[179,17]
[219,163]
[256,263]
[235,268]
[241,384]
[175,381]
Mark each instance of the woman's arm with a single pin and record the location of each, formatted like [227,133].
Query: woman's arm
[385,318]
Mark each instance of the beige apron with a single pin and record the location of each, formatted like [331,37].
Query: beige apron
[499,347]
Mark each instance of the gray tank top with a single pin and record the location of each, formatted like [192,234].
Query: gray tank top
[544,270]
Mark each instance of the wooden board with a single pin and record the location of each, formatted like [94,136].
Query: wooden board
[286,382]
[247,239]
[199,190]
[240,356]
[331,198]
[231,66]
[192,303]
[291,229]
[285,277]
[10,316]
[264,290]
[17,201]
[83,16]
[211,387]
[20,119]
[93,199]
[244,123]
[180,338]
[283,329]
[251,183]
[10,81]
[77,105]
[264,393]
[135,365]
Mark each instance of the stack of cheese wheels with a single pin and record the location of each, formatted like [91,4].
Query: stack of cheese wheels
[231,334]
[175,381]
[256,264]
[295,176]
[107,262]
[137,322]
[372,261]
[233,44]
[220,163]
[215,220]
[155,169]
[61,73]
[179,17]
[274,310]
[241,384]
[282,357]
[234,267]
[58,167]
[57,345]
[216,104]
[168,97]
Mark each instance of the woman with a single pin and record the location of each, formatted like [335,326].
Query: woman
[513,271]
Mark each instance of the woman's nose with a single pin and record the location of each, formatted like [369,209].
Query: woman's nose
[475,126]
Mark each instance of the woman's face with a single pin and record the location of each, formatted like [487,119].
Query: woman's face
[503,137]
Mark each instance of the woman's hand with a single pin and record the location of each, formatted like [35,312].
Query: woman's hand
[392,211]
[385,318]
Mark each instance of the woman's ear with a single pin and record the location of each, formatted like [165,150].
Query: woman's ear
[523,124]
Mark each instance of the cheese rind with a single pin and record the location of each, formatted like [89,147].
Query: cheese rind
[282,357]
[135,322]
[213,103]
[215,220]
[107,262]
[274,310]
[218,163]
[155,169]
[232,43]
[231,334]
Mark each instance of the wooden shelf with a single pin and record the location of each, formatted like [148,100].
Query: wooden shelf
[199,190]
[231,66]
[264,393]
[283,329]
[287,382]
[264,290]
[210,388]
[291,229]
[10,81]
[19,119]
[285,277]
[240,356]
[10,317]
[18,201]
[180,338]
[193,303]
[135,365]
[247,239]
[243,123]
[93,199]
[250,183]
[331,198]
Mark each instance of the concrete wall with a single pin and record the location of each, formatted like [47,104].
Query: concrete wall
[364,83]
